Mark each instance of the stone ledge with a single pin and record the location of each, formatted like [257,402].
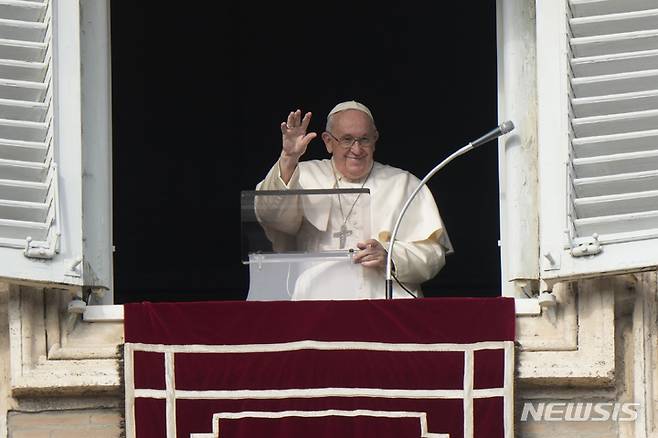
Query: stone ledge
[592,362]
[53,352]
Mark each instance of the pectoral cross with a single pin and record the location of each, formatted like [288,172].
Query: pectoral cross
[342,235]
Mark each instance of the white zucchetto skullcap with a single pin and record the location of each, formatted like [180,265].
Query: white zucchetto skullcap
[351,104]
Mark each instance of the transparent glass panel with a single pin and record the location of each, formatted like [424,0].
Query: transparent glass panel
[299,244]
[304,276]
[304,221]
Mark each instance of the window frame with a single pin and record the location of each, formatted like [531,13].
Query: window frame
[82,151]
[553,93]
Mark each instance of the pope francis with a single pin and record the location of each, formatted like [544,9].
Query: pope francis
[351,137]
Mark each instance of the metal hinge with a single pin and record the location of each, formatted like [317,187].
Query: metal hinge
[591,246]
[74,269]
[40,251]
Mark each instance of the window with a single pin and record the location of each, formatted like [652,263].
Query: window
[597,85]
[55,217]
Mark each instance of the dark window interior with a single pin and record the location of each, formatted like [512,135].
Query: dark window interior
[199,91]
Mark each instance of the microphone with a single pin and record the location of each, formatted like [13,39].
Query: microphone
[503,128]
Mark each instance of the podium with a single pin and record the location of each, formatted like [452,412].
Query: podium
[432,367]
[300,244]
[302,275]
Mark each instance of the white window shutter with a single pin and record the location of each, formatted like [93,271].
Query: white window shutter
[42,228]
[598,136]
[28,189]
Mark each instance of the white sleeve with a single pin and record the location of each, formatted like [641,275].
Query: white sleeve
[278,213]
[273,180]
[416,262]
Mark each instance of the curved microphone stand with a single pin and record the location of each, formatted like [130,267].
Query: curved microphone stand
[503,128]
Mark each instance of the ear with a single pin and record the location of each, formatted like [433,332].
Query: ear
[374,145]
[326,138]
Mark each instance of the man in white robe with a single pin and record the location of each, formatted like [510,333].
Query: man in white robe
[350,137]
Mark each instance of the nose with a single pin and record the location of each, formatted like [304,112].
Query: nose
[356,146]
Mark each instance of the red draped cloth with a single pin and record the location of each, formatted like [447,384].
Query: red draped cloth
[434,367]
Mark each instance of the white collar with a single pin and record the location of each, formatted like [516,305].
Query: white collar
[341,178]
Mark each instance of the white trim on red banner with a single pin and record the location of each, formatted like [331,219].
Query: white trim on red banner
[276,394]
[319,345]
[467,394]
[170,393]
[422,417]
[508,385]
[469,372]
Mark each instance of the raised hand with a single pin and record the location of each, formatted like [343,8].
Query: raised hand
[295,138]
[295,141]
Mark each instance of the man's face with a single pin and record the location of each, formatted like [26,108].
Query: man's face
[353,162]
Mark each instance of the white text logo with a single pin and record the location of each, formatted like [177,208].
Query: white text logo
[571,411]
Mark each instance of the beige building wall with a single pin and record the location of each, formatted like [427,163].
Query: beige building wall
[75,423]
[598,348]
[59,376]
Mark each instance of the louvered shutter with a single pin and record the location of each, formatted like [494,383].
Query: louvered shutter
[47,149]
[28,189]
[609,99]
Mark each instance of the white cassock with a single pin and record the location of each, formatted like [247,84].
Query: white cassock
[312,224]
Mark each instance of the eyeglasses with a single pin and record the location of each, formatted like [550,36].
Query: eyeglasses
[348,141]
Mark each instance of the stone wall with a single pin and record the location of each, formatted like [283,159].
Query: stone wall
[603,360]
[85,423]
[5,401]
[59,376]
